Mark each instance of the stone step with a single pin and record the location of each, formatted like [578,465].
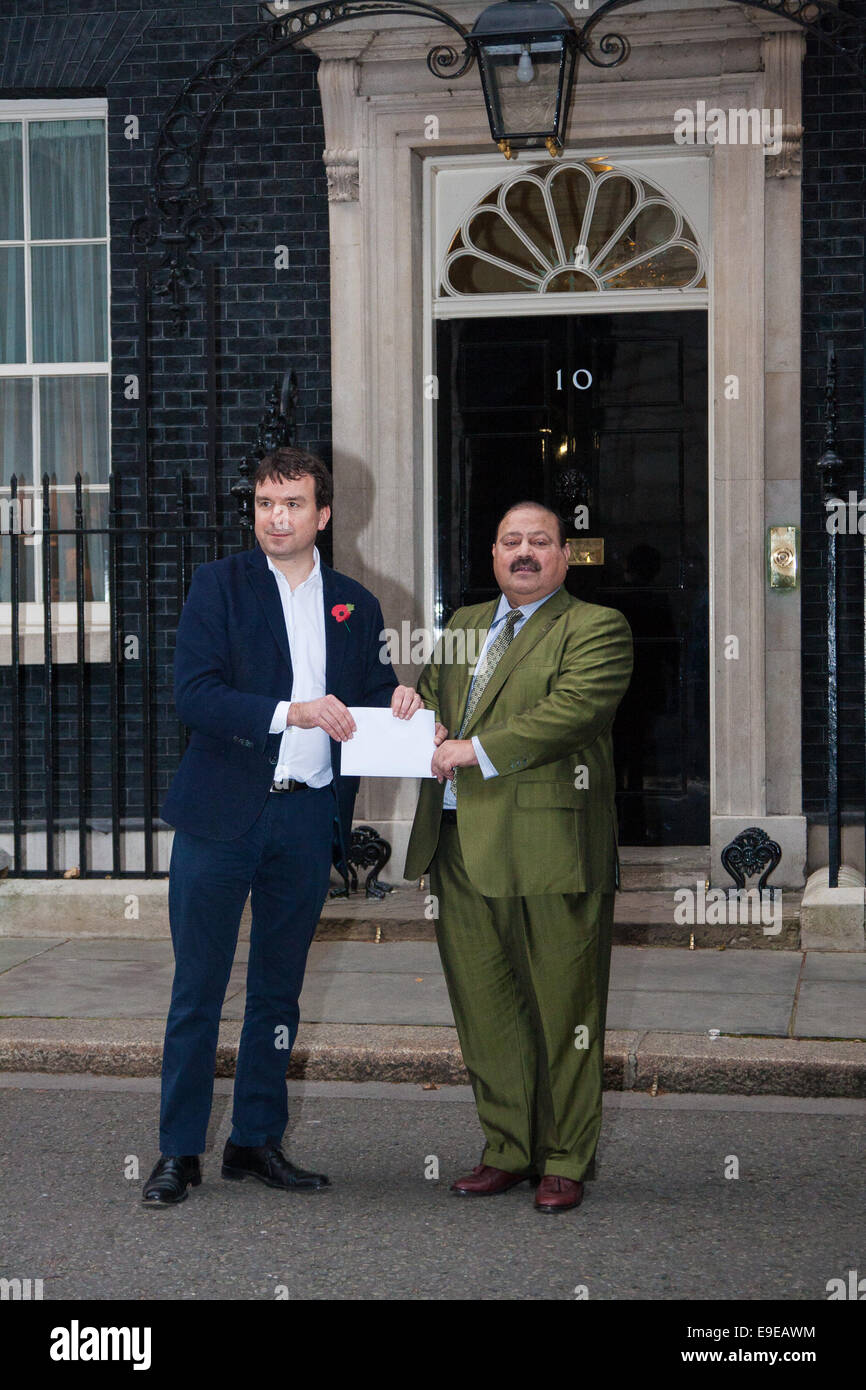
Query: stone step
[666,866]
[138,908]
[642,917]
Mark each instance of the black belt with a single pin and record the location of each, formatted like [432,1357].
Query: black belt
[290,785]
[449,816]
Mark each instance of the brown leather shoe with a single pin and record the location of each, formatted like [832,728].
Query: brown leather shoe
[558,1194]
[485,1181]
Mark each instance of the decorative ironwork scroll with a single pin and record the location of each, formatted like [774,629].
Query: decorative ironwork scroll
[276,430]
[823,19]
[367,850]
[750,852]
[179,217]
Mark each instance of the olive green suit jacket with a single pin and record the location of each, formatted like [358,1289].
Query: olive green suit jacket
[546,823]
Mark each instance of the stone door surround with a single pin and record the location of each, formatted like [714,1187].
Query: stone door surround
[378,100]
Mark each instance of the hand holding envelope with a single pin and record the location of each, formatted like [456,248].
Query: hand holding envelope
[385,746]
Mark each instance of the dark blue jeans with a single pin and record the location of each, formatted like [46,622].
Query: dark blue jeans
[283,861]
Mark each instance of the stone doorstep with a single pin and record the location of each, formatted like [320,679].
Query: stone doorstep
[82,908]
[634,1060]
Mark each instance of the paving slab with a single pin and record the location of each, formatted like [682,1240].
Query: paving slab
[715,972]
[47,988]
[393,957]
[107,948]
[364,997]
[683,1011]
[846,966]
[15,949]
[831,1009]
[402,983]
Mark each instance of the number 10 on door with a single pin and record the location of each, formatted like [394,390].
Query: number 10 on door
[582,385]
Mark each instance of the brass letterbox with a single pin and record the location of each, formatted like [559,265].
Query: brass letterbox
[586,550]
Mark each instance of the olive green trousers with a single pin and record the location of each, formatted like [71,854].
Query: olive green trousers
[528,980]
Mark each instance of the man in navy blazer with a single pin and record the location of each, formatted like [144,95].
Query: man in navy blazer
[272,647]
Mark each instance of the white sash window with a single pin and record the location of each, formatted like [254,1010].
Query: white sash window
[54,351]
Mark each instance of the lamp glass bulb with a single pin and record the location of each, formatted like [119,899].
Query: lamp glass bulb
[525,70]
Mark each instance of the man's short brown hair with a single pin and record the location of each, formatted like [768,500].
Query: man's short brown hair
[292,463]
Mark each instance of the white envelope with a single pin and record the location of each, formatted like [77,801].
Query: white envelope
[385,746]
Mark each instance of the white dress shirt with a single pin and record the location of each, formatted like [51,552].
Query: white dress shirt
[304,754]
[449,800]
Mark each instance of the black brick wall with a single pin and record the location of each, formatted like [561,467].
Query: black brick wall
[265,177]
[834,227]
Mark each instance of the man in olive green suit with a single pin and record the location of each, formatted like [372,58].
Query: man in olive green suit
[519,836]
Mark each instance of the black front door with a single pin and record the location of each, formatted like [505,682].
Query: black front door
[602,417]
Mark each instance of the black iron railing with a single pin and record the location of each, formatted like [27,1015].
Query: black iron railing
[91,743]
[830,467]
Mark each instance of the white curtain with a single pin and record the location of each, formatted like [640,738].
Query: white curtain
[16,434]
[67,180]
[11,182]
[69,297]
[13,340]
[67,200]
[16,456]
[70,304]
[73,423]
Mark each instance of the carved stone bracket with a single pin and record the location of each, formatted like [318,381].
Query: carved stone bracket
[783,61]
[338,87]
[341,167]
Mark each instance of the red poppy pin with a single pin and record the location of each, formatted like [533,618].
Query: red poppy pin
[341,612]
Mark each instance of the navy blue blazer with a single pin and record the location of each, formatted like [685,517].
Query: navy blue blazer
[232,664]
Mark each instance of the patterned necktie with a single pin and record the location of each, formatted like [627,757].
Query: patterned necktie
[486,667]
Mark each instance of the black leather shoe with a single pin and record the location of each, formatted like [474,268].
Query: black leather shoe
[168,1182]
[269,1164]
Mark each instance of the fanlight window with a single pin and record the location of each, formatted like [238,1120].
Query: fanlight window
[573,227]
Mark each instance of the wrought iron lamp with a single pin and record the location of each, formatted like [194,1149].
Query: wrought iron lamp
[526,51]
